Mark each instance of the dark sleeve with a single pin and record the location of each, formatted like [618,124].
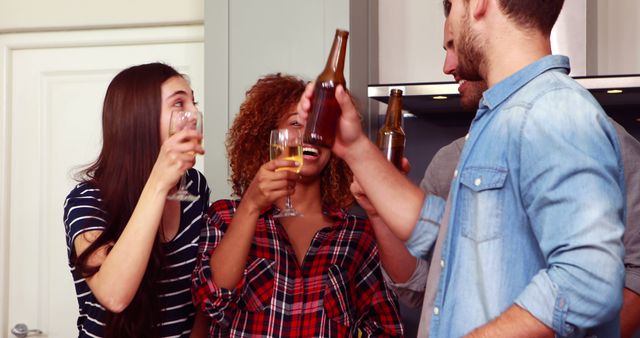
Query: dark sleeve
[82,212]
[630,149]
[439,174]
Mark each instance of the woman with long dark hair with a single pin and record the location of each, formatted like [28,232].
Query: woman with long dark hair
[317,275]
[131,251]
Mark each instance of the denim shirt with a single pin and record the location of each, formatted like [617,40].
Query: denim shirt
[537,209]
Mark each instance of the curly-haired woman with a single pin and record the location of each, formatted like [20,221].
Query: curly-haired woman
[313,276]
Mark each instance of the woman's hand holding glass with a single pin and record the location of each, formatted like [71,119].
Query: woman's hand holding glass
[270,185]
[286,144]
[181,121]
[276,178]
[177,154]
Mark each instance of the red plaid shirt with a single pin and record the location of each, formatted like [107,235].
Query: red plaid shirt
[338,289]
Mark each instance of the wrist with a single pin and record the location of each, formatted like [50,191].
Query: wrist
[155,185]
[374,216]
[358,150]
[248,207]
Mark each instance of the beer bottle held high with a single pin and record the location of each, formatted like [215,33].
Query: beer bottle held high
[325,110]
[391,137]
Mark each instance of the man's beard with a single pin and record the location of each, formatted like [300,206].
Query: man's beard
[470,56]
[470,98]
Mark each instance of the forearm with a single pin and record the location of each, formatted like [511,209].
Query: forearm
[513,323]
[397,200]
[200,325]
[630,314]
[122,270]
[229,259]
[394,256]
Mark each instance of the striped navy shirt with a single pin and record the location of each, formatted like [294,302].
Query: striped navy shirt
[83,212]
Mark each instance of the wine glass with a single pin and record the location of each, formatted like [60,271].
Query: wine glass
[181,120]
[286,144]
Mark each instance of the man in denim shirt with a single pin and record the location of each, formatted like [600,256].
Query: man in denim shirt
[409,277]
[534,246]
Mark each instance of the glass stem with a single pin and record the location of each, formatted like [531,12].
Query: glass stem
[183,182]
[287,203]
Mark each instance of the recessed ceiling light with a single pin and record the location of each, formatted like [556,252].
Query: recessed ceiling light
[408,115]
[614,91]
[439,97]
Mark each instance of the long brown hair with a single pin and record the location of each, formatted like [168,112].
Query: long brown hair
[130,146]
[268,100]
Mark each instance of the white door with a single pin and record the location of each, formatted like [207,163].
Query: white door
[54,91]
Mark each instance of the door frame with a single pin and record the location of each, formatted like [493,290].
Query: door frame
[12,42]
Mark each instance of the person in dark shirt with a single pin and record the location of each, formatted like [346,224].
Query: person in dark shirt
[131,251]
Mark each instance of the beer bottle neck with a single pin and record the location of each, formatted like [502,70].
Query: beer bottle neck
[334,69]
[394,113]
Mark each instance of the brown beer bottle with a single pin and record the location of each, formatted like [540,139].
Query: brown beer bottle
[325,110]
[391,137]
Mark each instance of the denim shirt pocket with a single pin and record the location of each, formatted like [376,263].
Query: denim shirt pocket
[338,298]
[482,198]
[258,287]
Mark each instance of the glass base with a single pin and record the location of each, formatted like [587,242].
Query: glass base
[183,195]
[287,213]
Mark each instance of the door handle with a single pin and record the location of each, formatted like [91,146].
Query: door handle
[22,330]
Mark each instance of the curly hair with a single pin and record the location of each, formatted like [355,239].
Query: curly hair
[265,105]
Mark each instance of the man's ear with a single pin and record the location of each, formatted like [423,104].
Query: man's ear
[480,8]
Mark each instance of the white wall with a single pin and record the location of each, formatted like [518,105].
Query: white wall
[19,16]
[410,41]
[33,15]
[569,35]
[618,37]
[246,39]
[410,45]
[289,36]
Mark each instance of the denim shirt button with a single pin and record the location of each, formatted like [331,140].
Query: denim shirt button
[455,173]
[477,182]
[442,263]
[466,137]
[436,311]
[561,303]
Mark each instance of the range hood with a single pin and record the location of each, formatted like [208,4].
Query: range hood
[616,92]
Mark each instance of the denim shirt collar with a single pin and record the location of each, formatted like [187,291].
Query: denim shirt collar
[497,94]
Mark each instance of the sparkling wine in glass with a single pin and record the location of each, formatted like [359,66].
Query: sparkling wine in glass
[181,120]
[286,144]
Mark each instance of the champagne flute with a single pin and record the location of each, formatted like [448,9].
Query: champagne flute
[286,144]
[181,120]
